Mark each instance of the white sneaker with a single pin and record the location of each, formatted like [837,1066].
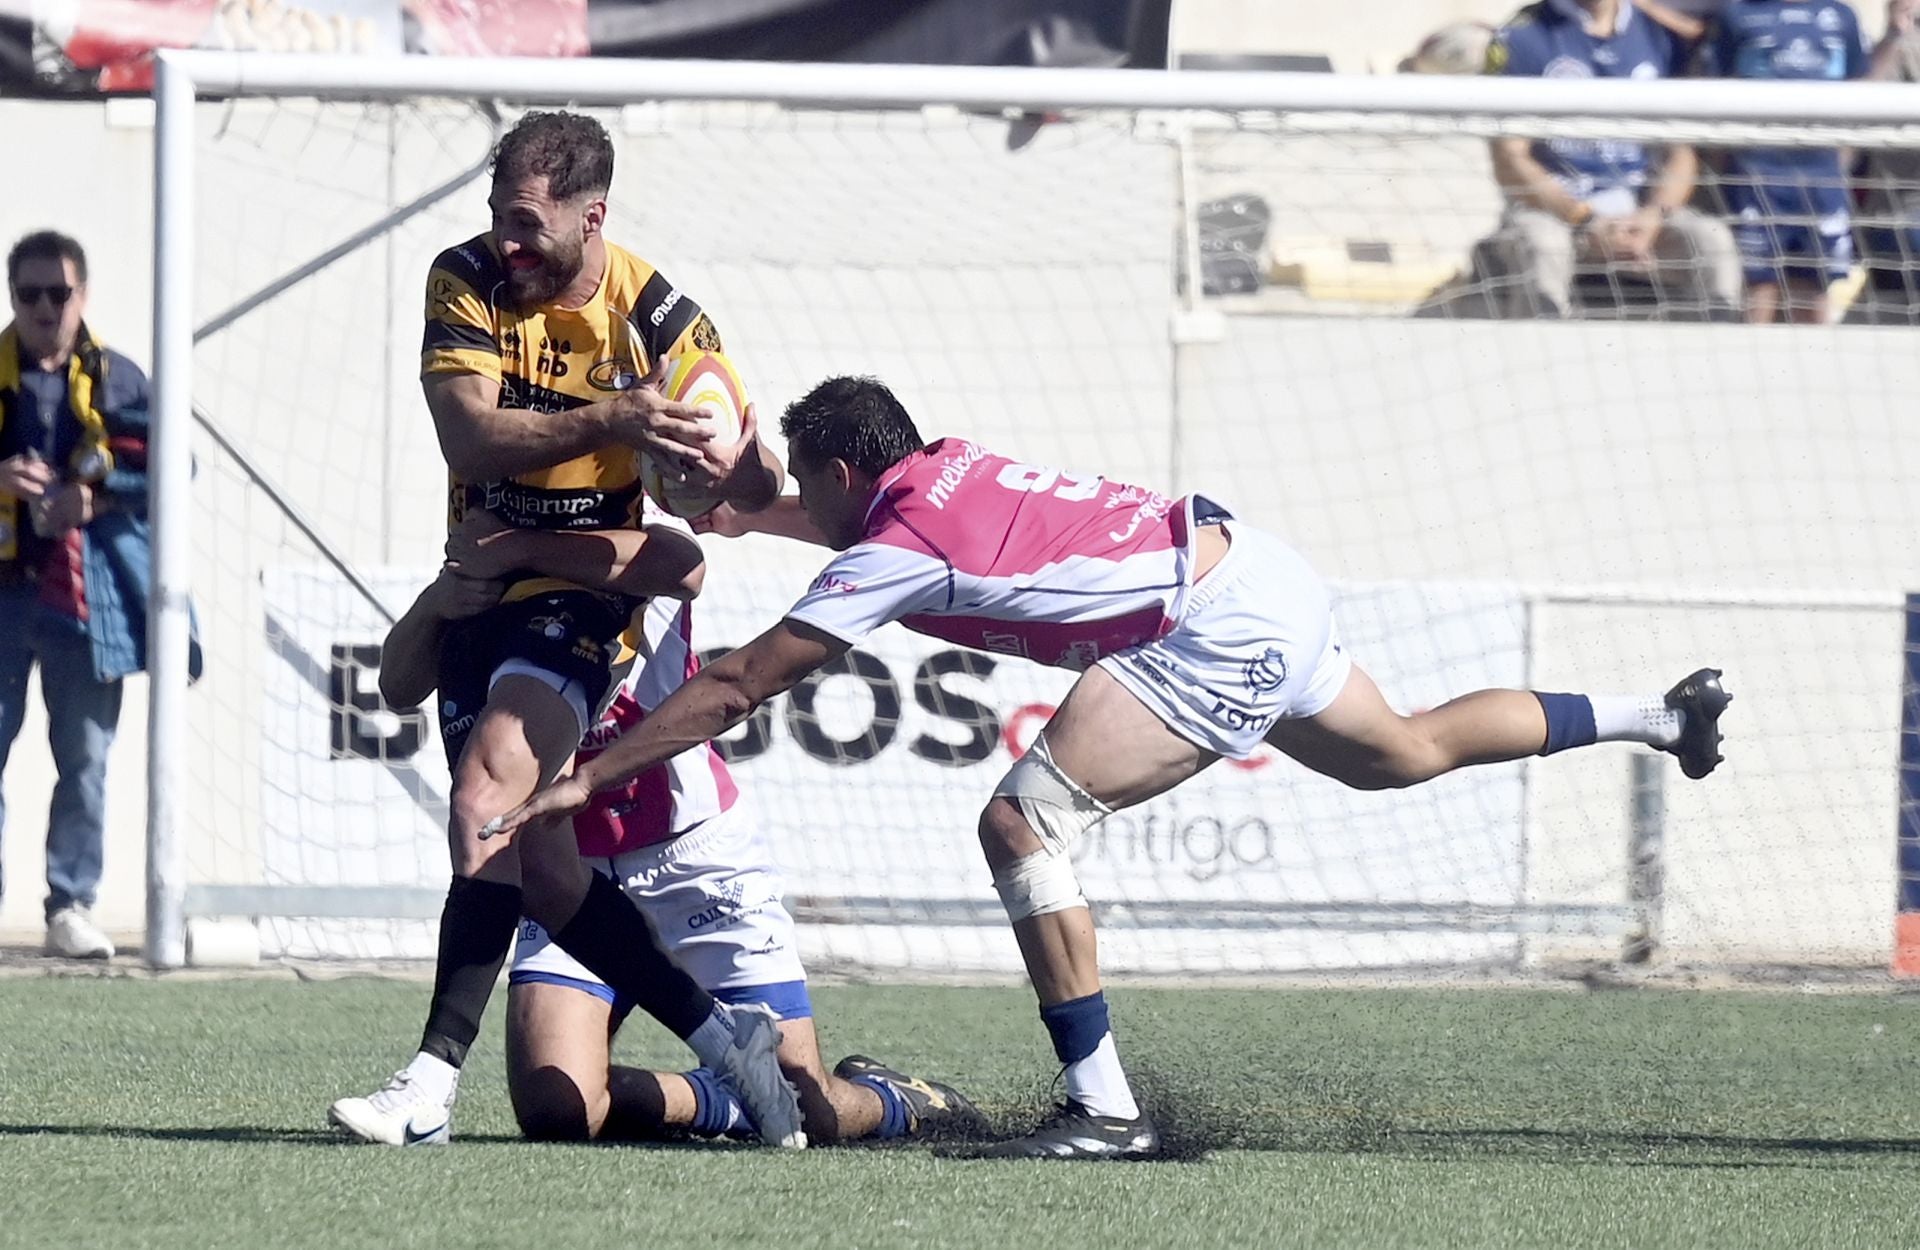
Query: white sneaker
[753,1066]
[400,1113]
[72,933]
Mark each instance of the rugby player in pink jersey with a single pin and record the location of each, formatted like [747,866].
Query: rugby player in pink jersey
[1197,636]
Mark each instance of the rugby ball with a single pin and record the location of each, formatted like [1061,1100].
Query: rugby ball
[707,381]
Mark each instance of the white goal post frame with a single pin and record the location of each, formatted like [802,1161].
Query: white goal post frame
[182,77]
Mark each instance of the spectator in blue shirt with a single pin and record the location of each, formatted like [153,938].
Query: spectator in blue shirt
[1610,202]
[1890,225]
[1790,205]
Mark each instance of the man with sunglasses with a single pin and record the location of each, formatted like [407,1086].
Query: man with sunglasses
[74,557]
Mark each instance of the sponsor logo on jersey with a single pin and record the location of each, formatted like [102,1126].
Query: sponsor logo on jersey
[952,470]
[523,503]
[827,581]
[1005,644]
[664,307]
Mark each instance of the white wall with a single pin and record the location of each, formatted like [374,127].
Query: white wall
[1022,298]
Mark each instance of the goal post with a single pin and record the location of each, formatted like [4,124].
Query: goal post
[1494,502]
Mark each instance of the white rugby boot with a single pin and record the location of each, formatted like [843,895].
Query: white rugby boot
[403,1112]
[752,1064]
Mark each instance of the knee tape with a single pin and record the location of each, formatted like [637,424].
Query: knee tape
[1053,803]
[1036,884]
[1059,812]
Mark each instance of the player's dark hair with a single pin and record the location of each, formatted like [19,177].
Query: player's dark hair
[852,419]
[47,245]
[571,150]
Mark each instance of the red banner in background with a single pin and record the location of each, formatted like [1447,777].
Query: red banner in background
[91,47]
[498,27]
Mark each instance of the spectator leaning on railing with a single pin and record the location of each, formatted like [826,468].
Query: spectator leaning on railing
[1604,202]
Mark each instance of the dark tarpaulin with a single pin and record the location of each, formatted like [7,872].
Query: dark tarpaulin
[107,46]
[1129,33]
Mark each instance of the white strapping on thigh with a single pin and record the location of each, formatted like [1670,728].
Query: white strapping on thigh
[1053,803]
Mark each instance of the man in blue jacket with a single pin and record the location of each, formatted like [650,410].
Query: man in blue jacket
[75,563]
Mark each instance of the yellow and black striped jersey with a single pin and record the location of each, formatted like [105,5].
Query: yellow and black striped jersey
[553,359]
[550,360]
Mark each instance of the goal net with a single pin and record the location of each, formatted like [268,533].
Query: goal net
[1599,502]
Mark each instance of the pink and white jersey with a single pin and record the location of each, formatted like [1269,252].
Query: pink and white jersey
[668,799]
[1062,568]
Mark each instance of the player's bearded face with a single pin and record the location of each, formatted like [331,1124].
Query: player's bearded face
[543,242]
[538,271]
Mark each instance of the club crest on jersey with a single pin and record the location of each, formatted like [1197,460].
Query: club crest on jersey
[554,626]
[612,375]
[1267,671]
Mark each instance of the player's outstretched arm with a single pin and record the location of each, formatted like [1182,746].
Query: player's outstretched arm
[483,442]
[716,699]
[783,518]
[654,560]
[410,656]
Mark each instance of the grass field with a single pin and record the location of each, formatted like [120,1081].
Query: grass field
[189,1113]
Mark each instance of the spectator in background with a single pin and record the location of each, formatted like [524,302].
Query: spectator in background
[1456,48]
[1790,205]
[1890,230]
[74,565]
[1609,202]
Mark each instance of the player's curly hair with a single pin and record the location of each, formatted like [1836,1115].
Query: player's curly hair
[571,150]
[856,420]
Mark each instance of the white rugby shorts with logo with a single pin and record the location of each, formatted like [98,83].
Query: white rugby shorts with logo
[714,897]
[1255,643]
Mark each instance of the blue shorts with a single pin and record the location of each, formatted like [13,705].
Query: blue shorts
[1791,230]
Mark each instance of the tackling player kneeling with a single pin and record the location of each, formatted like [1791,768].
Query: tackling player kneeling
[701,874]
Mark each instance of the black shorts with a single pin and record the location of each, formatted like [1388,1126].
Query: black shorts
[573,634]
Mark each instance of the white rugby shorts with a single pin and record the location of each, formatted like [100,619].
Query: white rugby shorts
[714,897]
[1255,644]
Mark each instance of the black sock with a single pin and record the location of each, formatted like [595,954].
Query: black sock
[476,932]
[610,936]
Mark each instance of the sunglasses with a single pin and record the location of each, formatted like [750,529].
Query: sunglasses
[31,295]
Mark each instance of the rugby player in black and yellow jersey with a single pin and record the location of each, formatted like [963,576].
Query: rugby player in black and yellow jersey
[540,339]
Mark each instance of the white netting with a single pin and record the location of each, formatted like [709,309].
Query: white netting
[1599,503]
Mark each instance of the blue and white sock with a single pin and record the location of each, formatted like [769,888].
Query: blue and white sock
[896,1120]
[1578,720]
[1083,1041]
[716,1109]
